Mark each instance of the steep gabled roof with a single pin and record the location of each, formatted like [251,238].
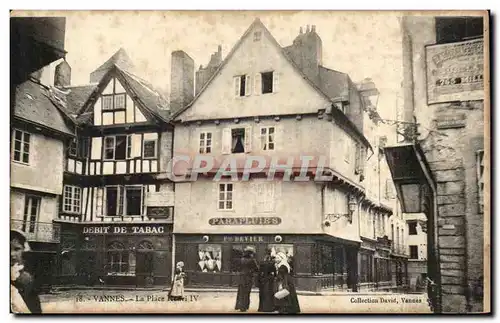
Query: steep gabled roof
[257,22]
[34,104]
[120,59]
[332,85]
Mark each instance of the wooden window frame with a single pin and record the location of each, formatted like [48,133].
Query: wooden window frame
[225,198]
[203,142]
[73,203]
[24,143]
[265,137]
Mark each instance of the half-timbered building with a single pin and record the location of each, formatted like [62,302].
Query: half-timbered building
[116,210]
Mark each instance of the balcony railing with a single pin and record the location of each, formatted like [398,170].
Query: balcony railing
[37,231]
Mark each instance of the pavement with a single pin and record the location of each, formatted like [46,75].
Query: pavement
[222,302]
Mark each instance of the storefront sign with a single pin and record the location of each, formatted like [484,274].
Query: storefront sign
[159,212]
[124,230]
[450,122]
[455,71]
[243,239]
[245,221]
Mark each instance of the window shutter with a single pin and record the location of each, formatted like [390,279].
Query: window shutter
[144,200]
[99,201]
[136,145]
[257,84]
[226,141]
[357,161]
[248,85]
[276,81]
[237,84]
[96,148]
[248,139]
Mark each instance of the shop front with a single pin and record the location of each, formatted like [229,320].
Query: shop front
[115,254]
[317,262]
[366,264]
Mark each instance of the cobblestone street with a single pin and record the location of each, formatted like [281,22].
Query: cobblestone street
[99,301]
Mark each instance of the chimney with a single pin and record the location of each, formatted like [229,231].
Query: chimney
[307,52]
[181,80]
[205,73]
[62,75]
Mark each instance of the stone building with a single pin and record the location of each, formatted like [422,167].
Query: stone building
[281,104]
[441,169]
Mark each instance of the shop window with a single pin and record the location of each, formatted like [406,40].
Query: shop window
[413,252]
[327,259]
[366,268]
[118,258]
[210,258]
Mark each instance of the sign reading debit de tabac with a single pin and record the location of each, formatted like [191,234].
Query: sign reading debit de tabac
[124,230]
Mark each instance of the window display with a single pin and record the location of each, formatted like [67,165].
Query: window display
[210,257]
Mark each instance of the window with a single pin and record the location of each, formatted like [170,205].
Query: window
[73,148]
[267,82]
[225,197]
[412,228]
[205,143]
[413,252]
[257,35]
[83,147]
[209,258]
[72,199]
[31,210]
[238,140]
[149,148]
[21,146]
[116,147]
[124,200]
[242,85]
[133,198]
[454,29]
[117,259]
[264,197]
[113,102]
[267,138]
[480,179]
[107,102]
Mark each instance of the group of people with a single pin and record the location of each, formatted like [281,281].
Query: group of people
[273,278]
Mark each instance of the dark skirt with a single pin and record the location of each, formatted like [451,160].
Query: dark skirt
[244,290]
[289,304]
[266,294]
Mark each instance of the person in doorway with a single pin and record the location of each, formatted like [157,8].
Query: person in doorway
[24,294]
[267,275]
[177,290]
[249,267]
[285,298]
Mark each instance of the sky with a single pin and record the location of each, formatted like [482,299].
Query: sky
[362,44]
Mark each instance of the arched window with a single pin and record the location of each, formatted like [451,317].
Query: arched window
[117,259]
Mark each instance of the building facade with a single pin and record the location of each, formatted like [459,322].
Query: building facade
[39,132]
[417,249]
[443,64]
[116,212]
[249,107]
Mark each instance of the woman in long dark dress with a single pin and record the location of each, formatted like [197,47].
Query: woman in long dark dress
[289,304]
[267,275]
[248,269]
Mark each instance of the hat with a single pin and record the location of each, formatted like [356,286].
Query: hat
[249,249]
[19,235]
[180,264]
